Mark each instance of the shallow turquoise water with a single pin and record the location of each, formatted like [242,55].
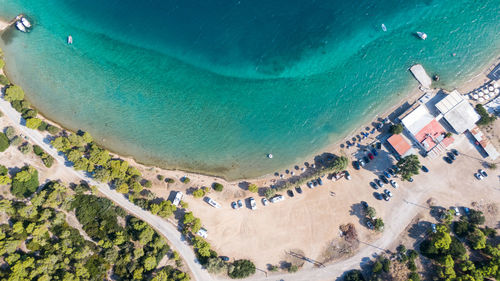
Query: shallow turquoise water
[214,87]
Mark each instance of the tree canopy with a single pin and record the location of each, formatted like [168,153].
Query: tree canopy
[14,93]
[409,166]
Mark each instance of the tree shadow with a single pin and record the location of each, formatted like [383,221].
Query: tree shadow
[359,211]
[244,185]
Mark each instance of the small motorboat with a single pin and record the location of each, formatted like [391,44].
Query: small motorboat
[270,156]
[422,35]
[70,39]
[20,26]
[25,22]
[384,28]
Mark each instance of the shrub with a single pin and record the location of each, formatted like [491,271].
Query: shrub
[354,275]
[253,188]
[414,276]
[269,192]
[160,177]
[38,150]
[217,186]
[33,123]
[48,160]
[377,267]
[185,180]
[3,170]
[386,264]
[14,93]
[396,129]
[43,126]
[241,269]
[379,224]
[169,180]
[293,268]
[15,141]
[4,142]
[476,217]
[148,184]
[486,118]
[25,148]
[273,268]
[10,132]
[411,265]
[199,193]
[448,135]
[4,80]
[52,129]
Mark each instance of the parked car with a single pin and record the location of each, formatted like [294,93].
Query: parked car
[374,151]
[454,151]
[290,193]
[369,224]
[379,183]
[386,198]
[364,204]
[298,189]
[384,179]
[277,198]
[448,160]
[347,175]
[410,179]
[388,192]
[320,182]
[378,196]
[264,201]
[253,205]
[310,184]
[224,258]
[457,212]
[315,183]
[366,160]
[394,184]
[374,185]
[391,171]
[483,173]
[370,155]
[478,176]
[424,169]
[452,156]
[240,204]
[433,227]
[395,169]
[361,162]
[234,205]
[356,165]
[387,175]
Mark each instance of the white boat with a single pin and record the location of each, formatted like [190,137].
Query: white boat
[270,156]
[20,26]
[384,28]
[25,22]
[70,39]
[422,35]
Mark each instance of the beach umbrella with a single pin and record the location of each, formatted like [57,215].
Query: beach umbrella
[475,96]
[480,93]
[292,173]
[497,91]
[496,85]
[490,88]
[486,97]
[486,91]
[480,99]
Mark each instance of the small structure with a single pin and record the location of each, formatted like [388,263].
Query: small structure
[484,143]
[202,233]
[419,73]
[400,145]
[458,112]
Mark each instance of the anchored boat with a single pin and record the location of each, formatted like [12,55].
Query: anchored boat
[422,35]
[25,22]
[20,26]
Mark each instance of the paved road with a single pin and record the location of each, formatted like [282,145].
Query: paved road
[162,226]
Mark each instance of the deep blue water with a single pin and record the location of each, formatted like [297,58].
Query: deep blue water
[213,86]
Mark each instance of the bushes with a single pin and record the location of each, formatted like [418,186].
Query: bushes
[52,129]
[160,177]
[253,188]
[38,150]
[199,193]
[14,93]
[486,118]
[4,80]
[10,132]
[169,180]
[33,123]
[217,186]
[4,142]
[241,269]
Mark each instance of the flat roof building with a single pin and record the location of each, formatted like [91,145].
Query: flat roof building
[401,145]
[458,112]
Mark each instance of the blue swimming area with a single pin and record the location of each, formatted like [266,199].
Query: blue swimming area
[213,86]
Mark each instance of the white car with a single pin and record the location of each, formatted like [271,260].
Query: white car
[478,176]
[253,205]
[394,184]
[277,198]
[457,212]
[264,201]
[213,203]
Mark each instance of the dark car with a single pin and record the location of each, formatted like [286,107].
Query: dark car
[384,179]
[424,169]
[298,189]
[374,185]
[320,182]
[374,151]
[454,151]
[483,173]
[379,183]
[410,180]
[364,204]
[386,197]
[224,258]
[387,174]
[379,145]
[310,184]
[234,205]
[452,156]
[370,155]
[366,160]
[448,160]
[290,193]
[315,183]
[378,196]
[391,172]
[356,165]
[395,168]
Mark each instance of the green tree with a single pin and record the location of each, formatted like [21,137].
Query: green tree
[378,223]
[150,263]
[477,239]
[33,123]
[199,193]
[486,118]
[241,269]
[14,93]
[408,166]
[215,265]
[476,217]
[340,163]
[10,132]
[370,212]
[441,239]
[354,275]
[4,142]
[25,182]
[217,186]
[396,129]
[253,188]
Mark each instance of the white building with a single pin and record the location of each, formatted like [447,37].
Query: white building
[458,112]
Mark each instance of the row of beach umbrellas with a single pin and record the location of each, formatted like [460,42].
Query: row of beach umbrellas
[485,93]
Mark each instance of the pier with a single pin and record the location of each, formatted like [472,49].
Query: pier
[419,73]
[6,24]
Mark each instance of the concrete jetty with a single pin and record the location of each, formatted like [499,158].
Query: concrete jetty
[419,73]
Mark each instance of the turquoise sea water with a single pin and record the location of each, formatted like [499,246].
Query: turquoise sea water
[213,86]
